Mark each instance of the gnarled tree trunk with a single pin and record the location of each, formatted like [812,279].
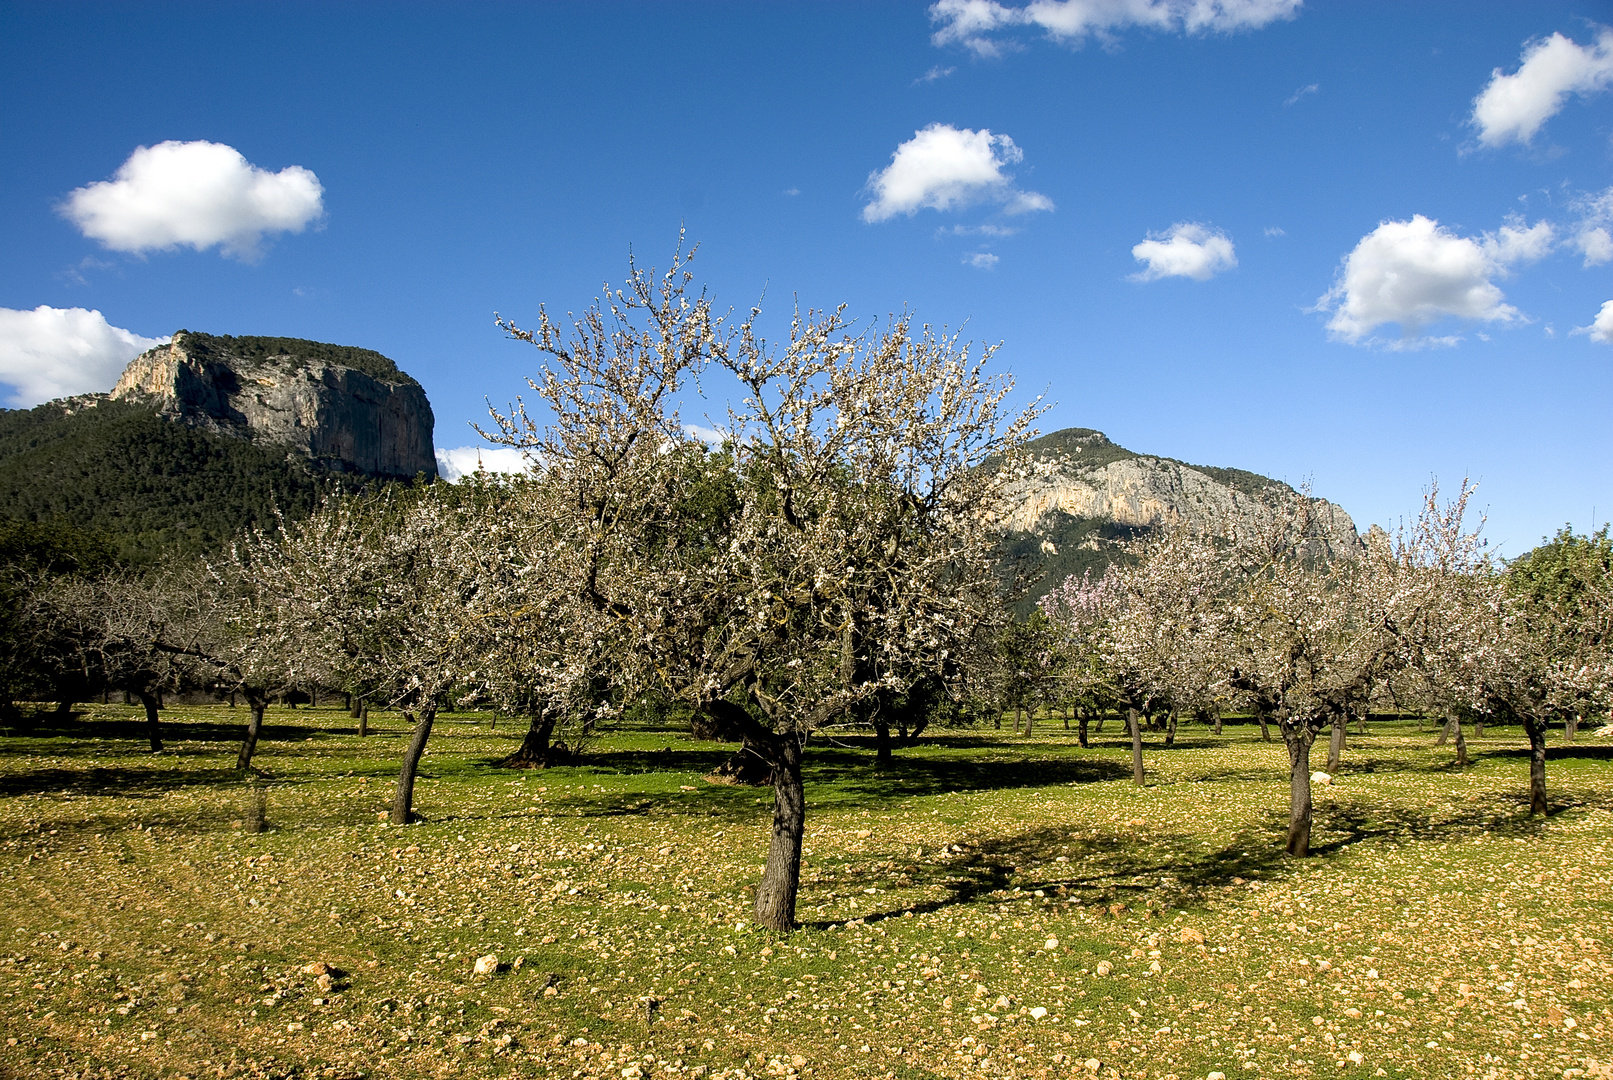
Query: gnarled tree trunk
[536,751]
[1081,727]
[1299,738]
[1136,745]
[254,728]
[149,699]
[1536,729]
[781,880]
[1265,728]
[403,798]
[1170,730]
[882,742]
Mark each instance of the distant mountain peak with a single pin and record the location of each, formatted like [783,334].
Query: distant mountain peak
[1084,496]
[345,408]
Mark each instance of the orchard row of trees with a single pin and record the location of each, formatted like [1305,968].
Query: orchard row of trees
[830,558]
[830,553]
[1266,620]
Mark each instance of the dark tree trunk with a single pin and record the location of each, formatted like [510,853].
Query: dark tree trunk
[882,743]
[149,699]
[1101,717]
[232,699]
[254,727]
[1445,730]
[1478,725]
[775,896]
[1218,723]
[1066,718]
[1299,788]
[1335,743]
[537,751]
[1136,746]
[1170,730]
[1265,728]
[1461,743]
[1030,718]
[1570,727]
[1081,728]
[363,719]
[1536,729]
[313,697]
[403,799]
[355,705]
[64,708]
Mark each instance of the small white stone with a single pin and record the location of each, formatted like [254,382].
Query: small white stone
[487,965]
[1050,944]
[1038,1012]
[1216,1076]
[1321,778]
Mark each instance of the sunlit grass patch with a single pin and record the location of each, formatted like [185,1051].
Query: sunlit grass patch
[989,906]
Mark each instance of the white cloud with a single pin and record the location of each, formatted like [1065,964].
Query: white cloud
[194,194]
[1513,107]
[1293,99]
[1187,249]
[1415,272]
[945,168]
[1591,236]
[935,73]
[52,352]
[981,260]
[1276,230]
[971,23]
[463,460]
[708,435]
[1601,327]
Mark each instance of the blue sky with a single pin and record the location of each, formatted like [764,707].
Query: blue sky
[401,172]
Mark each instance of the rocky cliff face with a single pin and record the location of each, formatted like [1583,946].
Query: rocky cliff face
[1080,473]
[349,410]
[1085,496]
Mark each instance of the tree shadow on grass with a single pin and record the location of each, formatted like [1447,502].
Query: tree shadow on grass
[1167,870]
[1103,869]
[834,778]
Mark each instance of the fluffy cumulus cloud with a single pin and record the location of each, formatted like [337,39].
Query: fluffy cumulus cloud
[52,352]
[947,168]
[977,25]
[1187,249]
[462,460]
[1601,327]
[1512,108]
[194,194]
[1413,273]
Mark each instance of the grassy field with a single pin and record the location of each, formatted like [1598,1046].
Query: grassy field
[990,907]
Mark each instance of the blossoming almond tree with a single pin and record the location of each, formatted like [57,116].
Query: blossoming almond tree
[837,542]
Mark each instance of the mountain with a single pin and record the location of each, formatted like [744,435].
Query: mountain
[210,435]
[345,408]
[1085,496]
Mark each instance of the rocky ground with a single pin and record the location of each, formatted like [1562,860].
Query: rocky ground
[990,907]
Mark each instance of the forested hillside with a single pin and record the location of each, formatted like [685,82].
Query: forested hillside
[144,483]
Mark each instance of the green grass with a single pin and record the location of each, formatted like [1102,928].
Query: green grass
[1438,932]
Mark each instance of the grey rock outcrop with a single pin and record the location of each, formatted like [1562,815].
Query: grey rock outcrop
[1080,473]
[1082,498]
[346,409]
